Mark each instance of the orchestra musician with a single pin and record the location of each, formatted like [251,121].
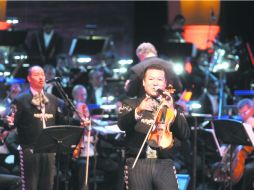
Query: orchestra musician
[34,110]
[79,94]
[147,54]
[45,44]
[244,156]
[154,168]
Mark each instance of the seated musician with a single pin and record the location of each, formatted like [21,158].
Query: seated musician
[154,168]
[246,111]
[174,32]
[79,94]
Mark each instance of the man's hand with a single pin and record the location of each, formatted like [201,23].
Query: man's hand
[167,99]
[147,104]
[10,119]
[85,122]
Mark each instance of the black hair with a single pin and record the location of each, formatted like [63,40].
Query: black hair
[155,67]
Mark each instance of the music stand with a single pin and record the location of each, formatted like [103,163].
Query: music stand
[209,140]
[195,117]
[58,139]
[87,46]
[234,132]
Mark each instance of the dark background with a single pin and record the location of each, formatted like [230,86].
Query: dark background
[130,23]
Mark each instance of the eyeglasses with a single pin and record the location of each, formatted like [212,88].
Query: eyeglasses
[244,112]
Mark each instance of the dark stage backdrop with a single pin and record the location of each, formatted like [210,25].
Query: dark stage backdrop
[130,23]
[112,19]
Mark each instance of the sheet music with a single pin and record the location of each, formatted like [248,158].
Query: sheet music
[219,148]
[249,131]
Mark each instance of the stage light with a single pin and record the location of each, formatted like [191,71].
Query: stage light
[125,61]
[178,68]
[20,57]
[194,105]
[201,35]
[108,106]
[227,63]
[2,108]
[12,20]
[26,65]
[4,25]
[5,73]
[108,98]
[84,59]
[120,70]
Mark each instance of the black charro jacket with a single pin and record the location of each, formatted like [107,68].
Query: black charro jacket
[28,119]
[136,130]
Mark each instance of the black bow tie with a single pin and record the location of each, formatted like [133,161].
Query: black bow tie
[39,100]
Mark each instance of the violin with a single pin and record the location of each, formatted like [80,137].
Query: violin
[84,113]
[161,136]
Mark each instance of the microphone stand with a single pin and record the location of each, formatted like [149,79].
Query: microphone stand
[70,104]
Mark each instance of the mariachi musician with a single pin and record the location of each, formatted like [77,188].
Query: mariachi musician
[151,123]
[34,110]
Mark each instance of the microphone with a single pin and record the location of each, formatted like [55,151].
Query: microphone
[160,92]
[55,79]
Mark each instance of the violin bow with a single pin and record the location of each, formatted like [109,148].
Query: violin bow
[85,186]
[88,152]
[142,146]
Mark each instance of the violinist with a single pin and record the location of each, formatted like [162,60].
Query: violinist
[152,167]
[79,94]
